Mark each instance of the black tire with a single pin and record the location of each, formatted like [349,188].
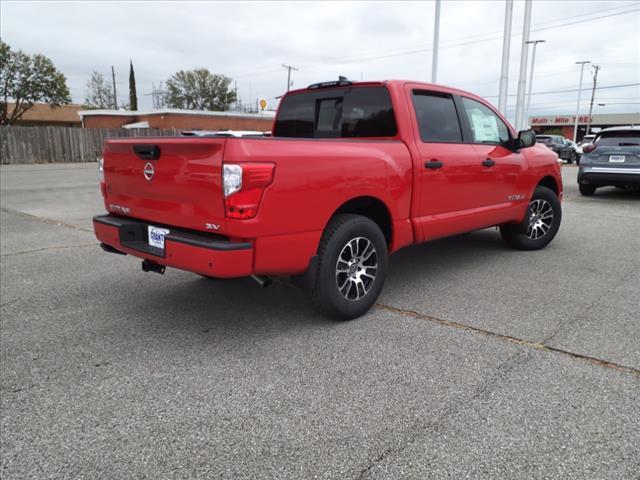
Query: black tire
[586,189]
[342,231]
[538,228]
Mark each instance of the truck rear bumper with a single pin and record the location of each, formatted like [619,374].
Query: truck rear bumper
[207,254]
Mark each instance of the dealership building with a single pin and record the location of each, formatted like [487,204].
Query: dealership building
[564,124]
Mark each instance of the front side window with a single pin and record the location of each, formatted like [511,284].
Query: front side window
[437,117]
[360,112]
[486,126]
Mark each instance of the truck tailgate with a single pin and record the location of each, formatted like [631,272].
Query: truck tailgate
[166,180]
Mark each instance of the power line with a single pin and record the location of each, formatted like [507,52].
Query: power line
[571,91]
[415,50]
[473,42]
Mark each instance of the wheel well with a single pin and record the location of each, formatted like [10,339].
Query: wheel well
[549,182]
[372,208]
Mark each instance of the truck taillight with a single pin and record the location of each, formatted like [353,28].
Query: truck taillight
[231,179]
[243,184]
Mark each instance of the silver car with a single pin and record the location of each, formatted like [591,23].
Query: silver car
[613,159]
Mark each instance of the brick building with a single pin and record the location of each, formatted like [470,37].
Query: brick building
[178,119]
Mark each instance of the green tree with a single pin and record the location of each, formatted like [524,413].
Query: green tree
[99,93]
[133,95]
[27,80]
[199,89]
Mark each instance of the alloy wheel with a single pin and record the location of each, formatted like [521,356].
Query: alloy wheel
[540,219]
[356,268]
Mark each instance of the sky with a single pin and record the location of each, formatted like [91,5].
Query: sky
[249,42]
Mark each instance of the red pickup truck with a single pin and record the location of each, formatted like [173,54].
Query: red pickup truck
[351,173]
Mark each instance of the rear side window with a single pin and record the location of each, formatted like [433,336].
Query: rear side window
[337,113]
[629,138]
[437,117]
[486,126]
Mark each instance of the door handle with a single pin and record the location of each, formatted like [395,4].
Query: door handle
[488,163]
[433,164]
[147,152]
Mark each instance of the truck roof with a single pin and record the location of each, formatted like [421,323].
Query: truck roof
[373,83]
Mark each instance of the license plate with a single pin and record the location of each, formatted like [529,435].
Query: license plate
[156,236]
[616,158]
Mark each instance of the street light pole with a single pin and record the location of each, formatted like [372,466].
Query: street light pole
[524,53]
[575,127]
[506,47]
[436,41]
[533,62]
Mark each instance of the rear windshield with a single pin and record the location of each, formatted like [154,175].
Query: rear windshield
[619,139]
[337,113]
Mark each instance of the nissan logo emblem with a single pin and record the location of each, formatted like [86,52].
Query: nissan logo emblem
[148,171]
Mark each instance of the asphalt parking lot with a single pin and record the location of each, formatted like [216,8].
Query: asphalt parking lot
[478,362]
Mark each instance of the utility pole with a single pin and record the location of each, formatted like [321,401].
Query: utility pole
[115,98]
[524,54]
[289,68]
[436,41]
[506,47]
[575,126]
[593,94]
[533,61]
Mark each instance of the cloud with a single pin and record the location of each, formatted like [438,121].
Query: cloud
[374,40]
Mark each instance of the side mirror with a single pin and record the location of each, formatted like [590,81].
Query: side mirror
[526,138]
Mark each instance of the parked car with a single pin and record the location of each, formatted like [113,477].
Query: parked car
[351,173]
[586,140]
[613,159]
[565,149]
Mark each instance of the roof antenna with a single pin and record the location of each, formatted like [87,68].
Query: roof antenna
[342,78]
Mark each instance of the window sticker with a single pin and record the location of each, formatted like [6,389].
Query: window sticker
[485,127]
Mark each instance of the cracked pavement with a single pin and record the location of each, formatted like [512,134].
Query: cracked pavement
[478,362]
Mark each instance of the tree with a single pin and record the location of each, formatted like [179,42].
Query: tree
[133,95]
[199,89]
[27,80]
[99,93]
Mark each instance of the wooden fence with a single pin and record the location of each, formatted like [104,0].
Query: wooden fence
[61,144]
